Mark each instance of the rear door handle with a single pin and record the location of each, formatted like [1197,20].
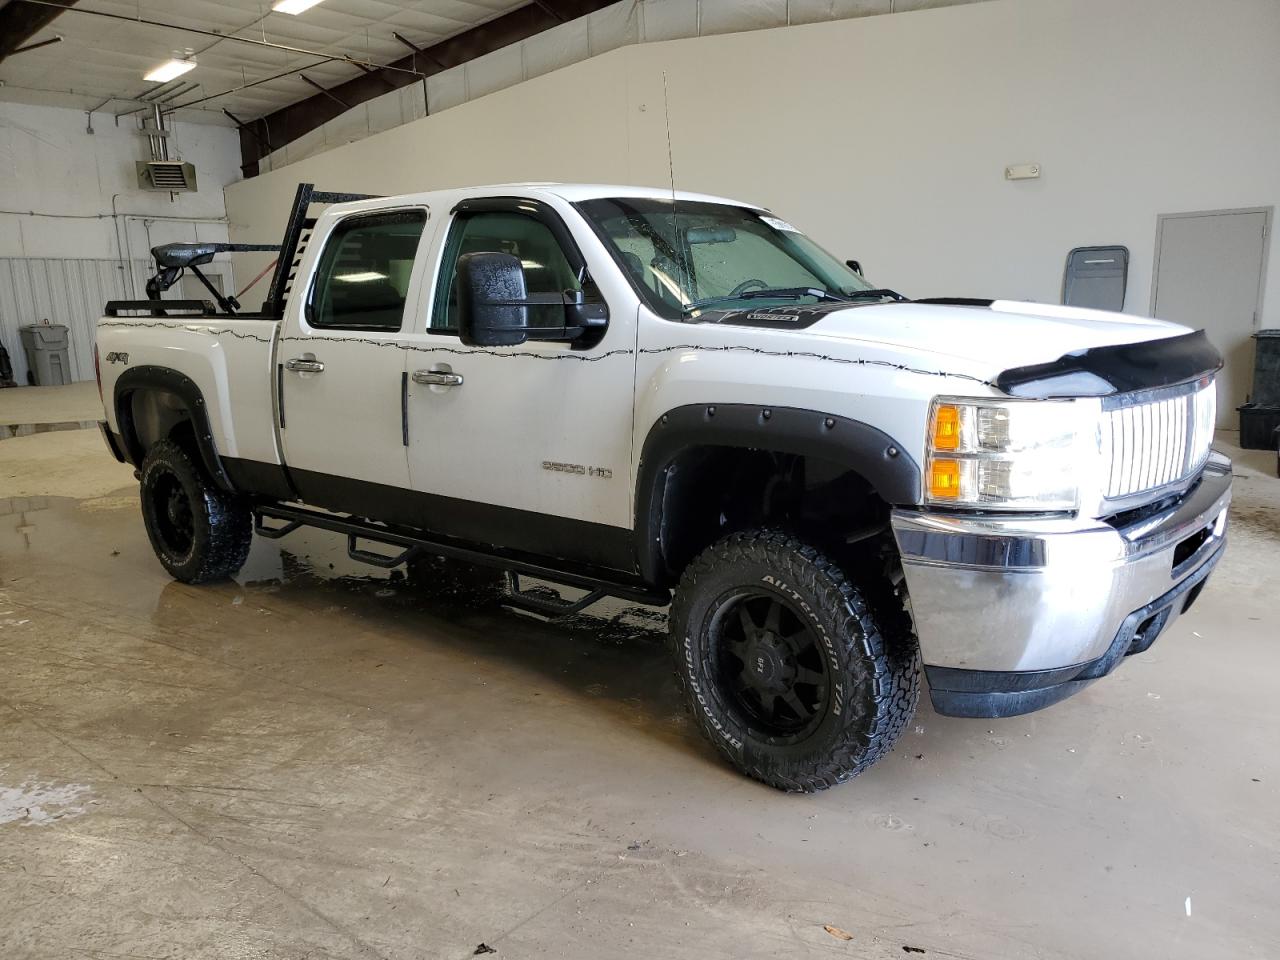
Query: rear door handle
[436,378]
[304,365]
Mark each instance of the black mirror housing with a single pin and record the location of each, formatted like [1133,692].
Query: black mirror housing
[494,303]
[491,291]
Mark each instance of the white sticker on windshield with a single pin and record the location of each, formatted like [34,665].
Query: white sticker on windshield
[778,224]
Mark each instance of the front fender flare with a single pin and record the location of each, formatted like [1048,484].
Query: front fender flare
[890,470]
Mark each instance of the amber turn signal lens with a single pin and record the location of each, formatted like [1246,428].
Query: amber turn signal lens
[946,427]
[944,479]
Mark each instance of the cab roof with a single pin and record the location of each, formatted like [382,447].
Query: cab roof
[570,192]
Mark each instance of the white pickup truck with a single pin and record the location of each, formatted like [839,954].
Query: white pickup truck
[634,393]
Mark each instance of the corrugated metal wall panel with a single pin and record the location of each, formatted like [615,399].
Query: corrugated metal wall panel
[69,292]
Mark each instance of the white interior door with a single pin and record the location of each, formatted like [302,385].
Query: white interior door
[1209,269]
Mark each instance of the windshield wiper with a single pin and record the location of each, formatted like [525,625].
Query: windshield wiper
[879,293]
[776,293]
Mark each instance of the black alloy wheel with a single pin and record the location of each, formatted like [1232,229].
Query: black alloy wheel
[768,662]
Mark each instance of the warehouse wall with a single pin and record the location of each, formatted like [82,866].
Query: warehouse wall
[616,25]
[886,137]
[57,219]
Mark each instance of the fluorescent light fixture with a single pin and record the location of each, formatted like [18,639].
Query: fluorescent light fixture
[359,277]
[293,6]
[169,69]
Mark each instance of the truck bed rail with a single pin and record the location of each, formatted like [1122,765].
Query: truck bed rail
[160,308]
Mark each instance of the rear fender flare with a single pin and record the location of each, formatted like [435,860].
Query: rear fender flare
[168,380]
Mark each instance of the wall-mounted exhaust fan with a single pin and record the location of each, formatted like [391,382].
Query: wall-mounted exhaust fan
[172,176]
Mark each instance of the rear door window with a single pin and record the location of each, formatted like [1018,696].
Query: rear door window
[362,281]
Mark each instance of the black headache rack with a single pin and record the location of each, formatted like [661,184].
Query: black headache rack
[174,259]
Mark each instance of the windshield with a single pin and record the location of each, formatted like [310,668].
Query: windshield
[687,257]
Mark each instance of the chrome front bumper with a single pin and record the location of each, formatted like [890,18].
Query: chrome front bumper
[1015,614]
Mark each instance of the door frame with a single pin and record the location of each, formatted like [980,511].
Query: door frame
[297,329]
[1267,212]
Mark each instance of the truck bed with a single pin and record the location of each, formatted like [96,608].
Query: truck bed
[224,356]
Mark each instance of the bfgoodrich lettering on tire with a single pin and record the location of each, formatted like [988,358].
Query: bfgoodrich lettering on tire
[800,677]
[200,533]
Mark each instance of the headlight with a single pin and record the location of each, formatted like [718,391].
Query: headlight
[1008,454]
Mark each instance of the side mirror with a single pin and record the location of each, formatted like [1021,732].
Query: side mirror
[855,266]
[491,295]
[494,306]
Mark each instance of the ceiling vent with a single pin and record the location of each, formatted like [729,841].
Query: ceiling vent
[172,176]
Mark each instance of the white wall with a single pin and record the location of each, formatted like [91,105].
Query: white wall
[56,193]
[616,25]
[53,166]
[886,137]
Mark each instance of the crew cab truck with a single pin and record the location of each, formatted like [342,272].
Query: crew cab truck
[642,393]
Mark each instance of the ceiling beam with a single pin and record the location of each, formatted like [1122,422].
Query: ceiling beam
[551,8]
[19,22]
[417,49]
[56,38]
[336,99]
[289,123]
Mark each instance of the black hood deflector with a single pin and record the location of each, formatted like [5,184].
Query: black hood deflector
[1102,371]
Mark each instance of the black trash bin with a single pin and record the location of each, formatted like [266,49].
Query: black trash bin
[1260,417]
[1258,425]
[1266,368]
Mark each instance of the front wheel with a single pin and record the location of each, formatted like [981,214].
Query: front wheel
[786,667]
[199,532]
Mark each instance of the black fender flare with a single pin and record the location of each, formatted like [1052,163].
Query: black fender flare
[168,380]
[890,470]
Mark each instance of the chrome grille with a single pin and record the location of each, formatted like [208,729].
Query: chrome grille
[1156,438]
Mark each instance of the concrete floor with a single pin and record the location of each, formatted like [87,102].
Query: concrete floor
[315,762]
[45,405]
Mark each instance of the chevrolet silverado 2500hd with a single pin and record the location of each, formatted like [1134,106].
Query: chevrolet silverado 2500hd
[631,392]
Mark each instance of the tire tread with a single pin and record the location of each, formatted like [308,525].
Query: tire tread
[226,516]
[872,618]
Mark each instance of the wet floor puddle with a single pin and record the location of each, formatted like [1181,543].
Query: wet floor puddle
[614,649]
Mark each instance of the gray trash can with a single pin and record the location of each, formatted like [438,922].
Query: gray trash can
[46,347]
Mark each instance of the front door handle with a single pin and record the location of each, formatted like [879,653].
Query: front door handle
[437,378]
[304,365]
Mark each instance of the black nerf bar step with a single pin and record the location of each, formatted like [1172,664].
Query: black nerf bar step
[413,544]
[544,601]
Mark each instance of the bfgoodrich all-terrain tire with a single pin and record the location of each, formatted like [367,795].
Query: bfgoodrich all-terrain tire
[200,533]
[801,678]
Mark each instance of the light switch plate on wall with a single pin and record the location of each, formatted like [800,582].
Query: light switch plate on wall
[1022,171]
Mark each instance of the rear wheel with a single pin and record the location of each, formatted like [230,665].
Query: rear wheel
[199,532]
[786,667]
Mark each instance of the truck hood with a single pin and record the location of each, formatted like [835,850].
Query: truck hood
[1005,334]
